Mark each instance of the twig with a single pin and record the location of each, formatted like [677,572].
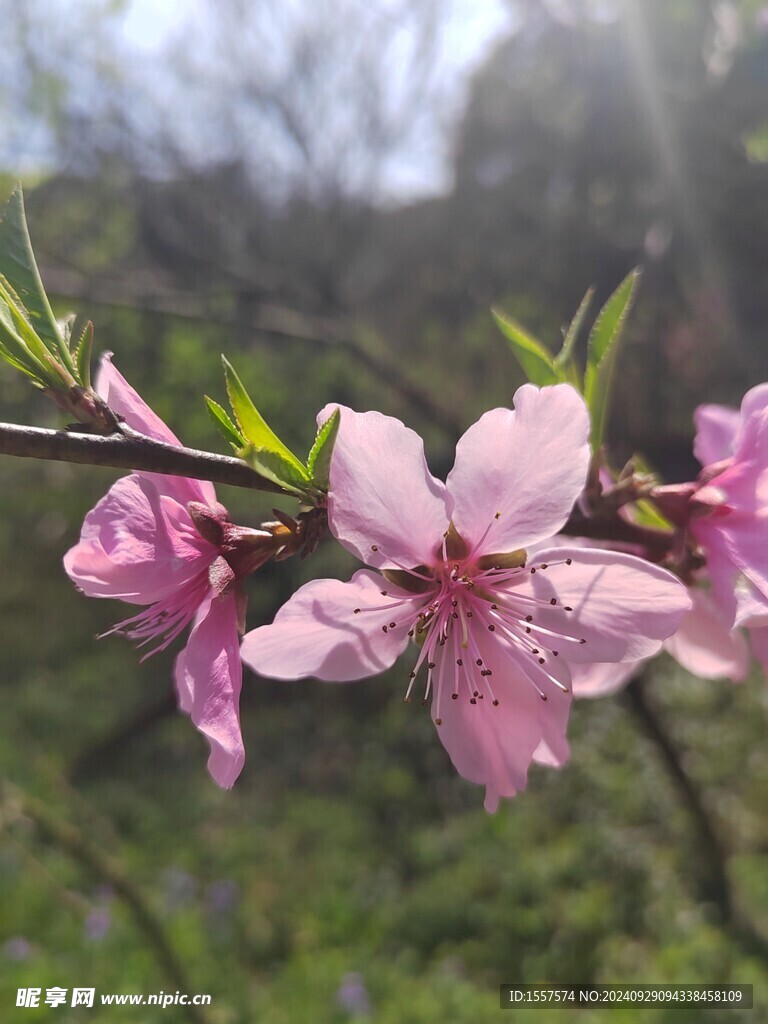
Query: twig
[280,321]
[121,734]
[77,845]
[712,881]
[656,544]
[130,452]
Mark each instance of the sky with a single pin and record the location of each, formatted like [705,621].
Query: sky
[469,34]
[75,41]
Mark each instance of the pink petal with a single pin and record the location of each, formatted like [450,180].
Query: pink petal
[122,399]
[716,429]
[494,745]
[754,402]
[382,493]
[622,606]
[208,678]
[602,679]
[529,464]
[317,632]
[705,646]
[126,402]
[137,544]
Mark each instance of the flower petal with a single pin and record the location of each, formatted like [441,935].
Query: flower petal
[318,632]
[126,402]
[137,544]
[494,745]
[705,646]
[208,678]
[622,607]
[602,679]
[754,402]
[529,464]
[716,429]
[382,493]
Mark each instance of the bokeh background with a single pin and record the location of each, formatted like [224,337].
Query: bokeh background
[334,193]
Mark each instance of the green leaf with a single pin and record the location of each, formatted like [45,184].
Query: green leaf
[265,448]
[319,460]
[83,355]
[18,266]
[534,358]
[563,357]
[610,321]
[224,424]
[646,513]
[273,466]
[20,345]
[601,352]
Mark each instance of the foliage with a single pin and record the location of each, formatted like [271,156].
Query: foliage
[348,845]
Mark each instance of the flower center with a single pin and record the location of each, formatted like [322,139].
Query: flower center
[462,610]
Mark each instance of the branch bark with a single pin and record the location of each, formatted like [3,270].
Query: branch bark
[77,845]
[710,879]
[129,450]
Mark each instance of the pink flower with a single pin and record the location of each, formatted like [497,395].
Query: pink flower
[164,542]
[729,509]
[495,633]
[703,645]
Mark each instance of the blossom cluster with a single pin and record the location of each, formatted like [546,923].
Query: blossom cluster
[506,618]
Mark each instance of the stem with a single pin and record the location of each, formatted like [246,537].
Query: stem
[656,543]
[713,883]
[79,847]
[130,450]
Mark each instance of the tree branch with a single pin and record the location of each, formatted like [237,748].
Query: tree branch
[70,839]
[709,858]
[656,543]
[130,450]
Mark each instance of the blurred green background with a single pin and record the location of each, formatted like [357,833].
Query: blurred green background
[334,194]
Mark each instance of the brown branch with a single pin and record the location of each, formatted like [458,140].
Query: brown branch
[711,880]
[269,318]
[70,839]
[656,543]
[129,450]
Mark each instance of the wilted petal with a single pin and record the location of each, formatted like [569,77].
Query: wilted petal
[716,430]
[529,464]
[705,646]
[319,633]
[136,544]
[622,608]
[208,679]
[126,402]
[382,493]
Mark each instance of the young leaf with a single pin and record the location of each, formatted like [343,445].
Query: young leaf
[18,266]
[610,320]
[83,355]
[535,360]
[261,439]
[20,345]
[224,424]
[646,513]
[319,460]
[564,355]
[273,466]
[602,349]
